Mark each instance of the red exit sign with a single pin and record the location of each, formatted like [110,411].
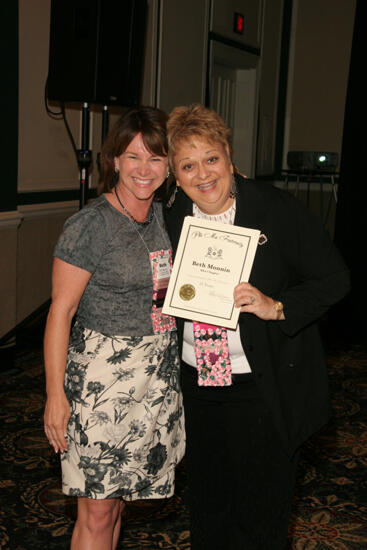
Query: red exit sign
[239,23]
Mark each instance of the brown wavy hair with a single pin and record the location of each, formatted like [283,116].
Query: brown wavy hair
[151,123]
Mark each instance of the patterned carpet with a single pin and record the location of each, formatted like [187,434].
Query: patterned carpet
[330,506]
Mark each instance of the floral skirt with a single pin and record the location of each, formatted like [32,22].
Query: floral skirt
[126,430]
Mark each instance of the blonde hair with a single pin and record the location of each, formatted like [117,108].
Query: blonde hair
[185,123]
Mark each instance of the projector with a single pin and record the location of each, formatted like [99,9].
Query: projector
[312,161]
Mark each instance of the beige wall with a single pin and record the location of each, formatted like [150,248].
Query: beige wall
[37,235]
[182,63]
[46,161]
[316,94]
[27,240]
[46,157]
[318,76]
[269,78]
[320,51]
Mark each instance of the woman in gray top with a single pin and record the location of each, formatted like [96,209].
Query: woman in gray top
[114,408]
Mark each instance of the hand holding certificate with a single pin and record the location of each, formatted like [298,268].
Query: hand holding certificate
[212,258]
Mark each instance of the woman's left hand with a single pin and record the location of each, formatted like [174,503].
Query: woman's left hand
[251,300]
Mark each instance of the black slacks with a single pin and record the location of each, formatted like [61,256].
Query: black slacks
[240,479]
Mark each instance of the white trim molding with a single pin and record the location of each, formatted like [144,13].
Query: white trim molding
[48,208]
[10,219]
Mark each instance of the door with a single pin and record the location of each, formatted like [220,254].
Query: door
[233,95]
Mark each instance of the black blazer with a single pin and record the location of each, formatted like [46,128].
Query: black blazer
[298,265]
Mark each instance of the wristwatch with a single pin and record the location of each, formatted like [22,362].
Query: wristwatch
[278,306]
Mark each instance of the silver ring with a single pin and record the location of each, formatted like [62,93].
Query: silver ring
[253,300]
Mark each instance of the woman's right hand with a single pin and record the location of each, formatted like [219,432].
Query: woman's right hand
[68,285]
[56,418]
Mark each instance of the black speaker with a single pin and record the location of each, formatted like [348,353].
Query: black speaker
[96,51]
[312,161]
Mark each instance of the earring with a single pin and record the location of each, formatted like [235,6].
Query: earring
[116,175]
[233,190]
[171,200]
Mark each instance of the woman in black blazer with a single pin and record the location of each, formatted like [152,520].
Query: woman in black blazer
[243,434]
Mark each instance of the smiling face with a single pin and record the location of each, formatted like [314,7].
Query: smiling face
[204,171]
[141,172]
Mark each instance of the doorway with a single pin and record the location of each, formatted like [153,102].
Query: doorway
[233,94]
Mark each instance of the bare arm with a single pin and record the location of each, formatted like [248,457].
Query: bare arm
[68,285]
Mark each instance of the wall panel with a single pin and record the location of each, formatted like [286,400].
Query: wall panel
[182,73]
[37,236]
[9,223]
[319,74]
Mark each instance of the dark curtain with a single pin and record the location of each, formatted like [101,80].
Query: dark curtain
[349,318]
[9,104]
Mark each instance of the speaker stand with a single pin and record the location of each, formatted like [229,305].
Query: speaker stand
[105,124]
[84,157]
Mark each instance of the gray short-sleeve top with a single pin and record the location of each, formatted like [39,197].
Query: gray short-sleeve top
[115,250]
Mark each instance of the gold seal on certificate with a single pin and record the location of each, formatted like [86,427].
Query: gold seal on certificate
[214,257]
[187,292]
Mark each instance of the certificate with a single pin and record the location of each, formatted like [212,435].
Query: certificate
[211,259]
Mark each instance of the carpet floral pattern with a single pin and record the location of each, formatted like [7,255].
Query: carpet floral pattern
[330,505]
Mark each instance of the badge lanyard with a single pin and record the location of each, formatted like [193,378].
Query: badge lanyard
[161,265]
[161,262]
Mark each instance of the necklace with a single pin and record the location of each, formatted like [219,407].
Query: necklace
[150,214]
[135,223]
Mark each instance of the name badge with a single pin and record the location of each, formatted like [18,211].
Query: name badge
[161,262]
